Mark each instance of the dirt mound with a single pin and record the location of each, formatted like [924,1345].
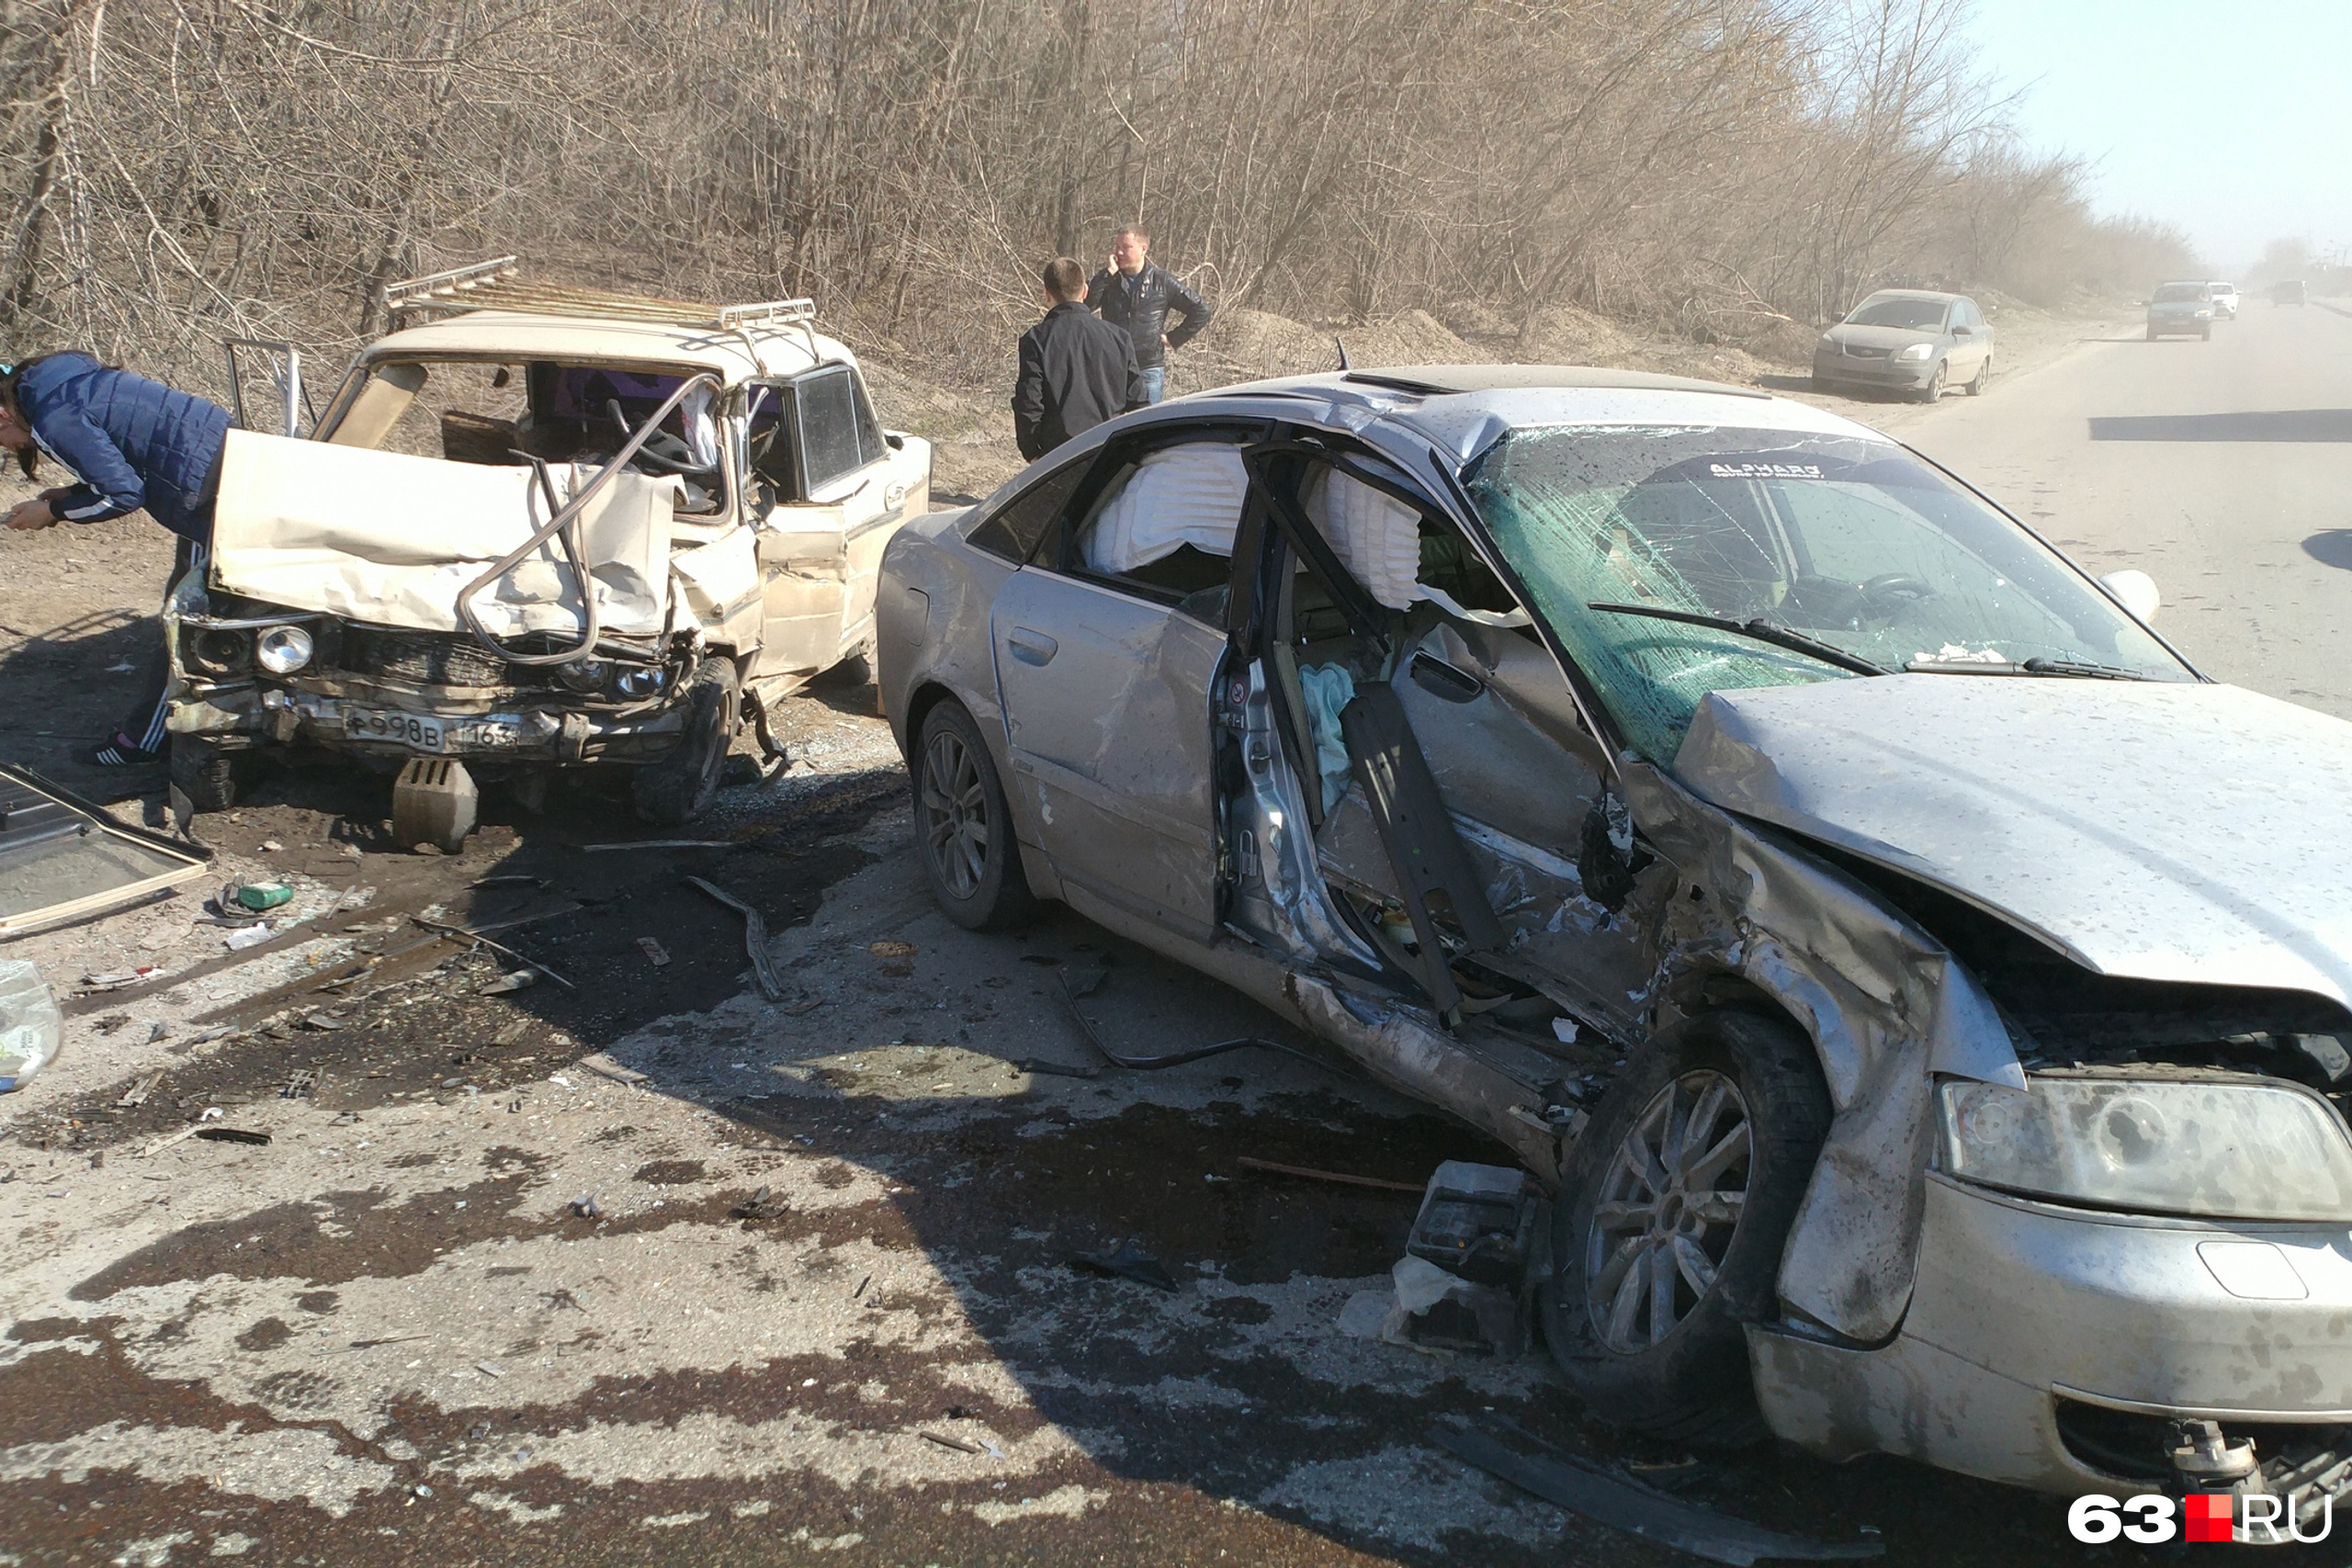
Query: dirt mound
[1565,334]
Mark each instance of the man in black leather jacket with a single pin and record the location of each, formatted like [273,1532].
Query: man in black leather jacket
[1076,372]
[1132,293]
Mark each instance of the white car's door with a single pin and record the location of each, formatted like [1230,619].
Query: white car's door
[840,488]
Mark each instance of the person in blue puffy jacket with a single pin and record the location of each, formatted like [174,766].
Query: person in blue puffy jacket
[129,444]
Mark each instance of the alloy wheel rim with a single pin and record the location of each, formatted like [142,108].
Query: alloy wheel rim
[1670,1205]
[955,814]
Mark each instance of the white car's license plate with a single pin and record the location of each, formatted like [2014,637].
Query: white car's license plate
[419,732]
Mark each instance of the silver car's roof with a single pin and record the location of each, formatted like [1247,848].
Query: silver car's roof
[2187,832]
[1461,410]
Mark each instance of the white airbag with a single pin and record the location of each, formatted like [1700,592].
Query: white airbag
[1186,495]
[391,540]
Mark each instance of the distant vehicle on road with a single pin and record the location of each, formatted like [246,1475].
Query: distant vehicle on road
[2225,300]
[1907,340]
[2180,309]
[2291,292]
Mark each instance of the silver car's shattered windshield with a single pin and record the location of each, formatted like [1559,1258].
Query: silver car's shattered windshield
[1848,541]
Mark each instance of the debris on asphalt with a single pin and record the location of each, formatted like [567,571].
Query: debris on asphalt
[256,896]
[755,938]
[137,1093]
[1174,1058]
[301,1084]
[488,1370]
[506,985]
[1428,1309]
[658,955]
[604,1066]
[761,1205]
[1056,1069]
[441,927]
[31,1029]
[324,1020]
[247,936]
[1307,1173]
[1127,1261]
[586,1207]
[1627,1505]
[661,844]
[232,1135]
[891,948]
[123,980]
[984,1448]
[1478,1222]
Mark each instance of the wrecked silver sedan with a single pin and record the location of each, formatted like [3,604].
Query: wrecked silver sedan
[1928,993]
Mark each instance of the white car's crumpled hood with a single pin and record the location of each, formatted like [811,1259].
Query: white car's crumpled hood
[2194,833]
[391,540]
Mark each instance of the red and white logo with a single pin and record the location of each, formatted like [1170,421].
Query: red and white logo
[2254,1519]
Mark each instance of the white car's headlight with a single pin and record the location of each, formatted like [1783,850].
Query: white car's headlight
[1916,350]
[2241,1149]
[282,650]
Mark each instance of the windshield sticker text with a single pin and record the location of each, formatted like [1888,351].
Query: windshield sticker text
[1765,470]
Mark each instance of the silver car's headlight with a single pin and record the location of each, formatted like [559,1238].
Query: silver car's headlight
[2244,1149]
[282,650]
[1916,350]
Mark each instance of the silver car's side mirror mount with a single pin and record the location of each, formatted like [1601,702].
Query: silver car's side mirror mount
[2136,592]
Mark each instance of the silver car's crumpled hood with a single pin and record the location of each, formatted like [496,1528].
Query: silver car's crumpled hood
[2194,833]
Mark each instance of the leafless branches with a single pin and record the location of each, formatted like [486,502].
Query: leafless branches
[173,169]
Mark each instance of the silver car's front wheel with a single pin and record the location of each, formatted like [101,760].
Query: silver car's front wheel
[1668,1211]
[1674,1208]
[966,824]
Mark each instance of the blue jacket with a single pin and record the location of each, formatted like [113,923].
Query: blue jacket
[130,443]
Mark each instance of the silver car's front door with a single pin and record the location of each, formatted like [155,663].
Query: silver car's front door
[1106,709]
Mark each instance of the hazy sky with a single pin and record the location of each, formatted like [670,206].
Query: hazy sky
[2230,117]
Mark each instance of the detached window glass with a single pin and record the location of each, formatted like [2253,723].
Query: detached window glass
[1850,541]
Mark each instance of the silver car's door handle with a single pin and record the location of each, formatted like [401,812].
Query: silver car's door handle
[1030,648]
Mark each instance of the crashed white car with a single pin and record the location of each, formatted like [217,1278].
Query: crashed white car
[1927,992]
[541,528]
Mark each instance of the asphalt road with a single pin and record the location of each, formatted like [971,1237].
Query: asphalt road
[2221,469]
[651,1270]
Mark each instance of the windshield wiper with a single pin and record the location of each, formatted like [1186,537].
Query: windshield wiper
[2073,669]
[1759,629]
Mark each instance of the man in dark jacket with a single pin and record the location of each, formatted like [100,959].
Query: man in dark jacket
[1076,372]
[1135,295]
[128,443]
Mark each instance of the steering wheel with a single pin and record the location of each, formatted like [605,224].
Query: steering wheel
[661,451]
[1895,584]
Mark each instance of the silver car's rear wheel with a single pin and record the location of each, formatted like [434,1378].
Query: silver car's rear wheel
[955,814]
[966,824]
[1668,1208]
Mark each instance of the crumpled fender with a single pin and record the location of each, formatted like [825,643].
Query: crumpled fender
[1888,1008]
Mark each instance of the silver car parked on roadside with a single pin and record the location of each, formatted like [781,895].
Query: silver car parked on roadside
[1907,340]
[1927,992]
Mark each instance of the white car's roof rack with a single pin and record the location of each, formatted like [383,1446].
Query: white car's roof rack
[493,286]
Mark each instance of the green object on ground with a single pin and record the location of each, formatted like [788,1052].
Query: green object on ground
[263,895]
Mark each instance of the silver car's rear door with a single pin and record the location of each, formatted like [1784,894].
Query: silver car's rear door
[1105,684]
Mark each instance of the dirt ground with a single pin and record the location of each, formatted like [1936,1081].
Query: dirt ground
[631,1264]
